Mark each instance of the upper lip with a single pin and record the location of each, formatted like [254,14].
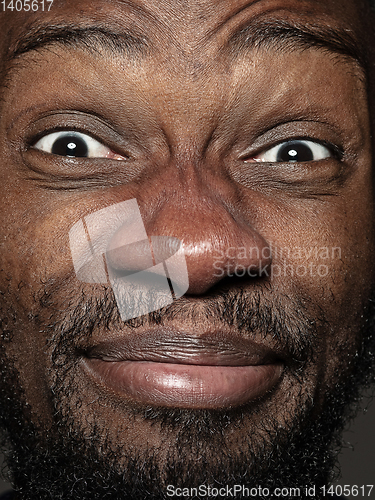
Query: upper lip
[168,345]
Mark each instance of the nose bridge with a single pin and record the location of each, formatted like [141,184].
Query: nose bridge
[191,197]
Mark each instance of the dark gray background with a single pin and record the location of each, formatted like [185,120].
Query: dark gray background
[357,460]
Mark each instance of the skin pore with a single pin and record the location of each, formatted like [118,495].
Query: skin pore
[192,102]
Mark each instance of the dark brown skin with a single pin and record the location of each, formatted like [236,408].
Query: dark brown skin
[188,117]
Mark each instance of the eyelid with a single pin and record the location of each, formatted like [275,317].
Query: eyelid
[96,148]
[324,148]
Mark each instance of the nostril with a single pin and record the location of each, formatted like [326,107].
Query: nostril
[247,258]
[130,258]
[142,254]
[241,281]
[209,271]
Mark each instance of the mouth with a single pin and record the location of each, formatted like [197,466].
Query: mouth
[171,368]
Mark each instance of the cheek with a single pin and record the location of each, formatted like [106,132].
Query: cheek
[327,256]
[35,240]
[34,254]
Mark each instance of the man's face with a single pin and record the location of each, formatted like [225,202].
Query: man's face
[243,130]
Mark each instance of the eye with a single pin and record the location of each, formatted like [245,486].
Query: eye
[293,152]
[75,145]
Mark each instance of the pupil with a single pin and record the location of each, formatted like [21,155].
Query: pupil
[295,151]
[70,145]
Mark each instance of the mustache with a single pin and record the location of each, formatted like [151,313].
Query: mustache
[289,322]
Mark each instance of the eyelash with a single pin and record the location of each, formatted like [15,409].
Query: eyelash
[79,144]
[295,148]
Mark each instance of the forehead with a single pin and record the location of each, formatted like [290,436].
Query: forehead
[189,28]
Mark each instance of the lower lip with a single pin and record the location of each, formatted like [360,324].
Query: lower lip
[185,386]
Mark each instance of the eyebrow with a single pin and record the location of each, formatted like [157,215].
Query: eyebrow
[274,33]
[90,38]
[286,36]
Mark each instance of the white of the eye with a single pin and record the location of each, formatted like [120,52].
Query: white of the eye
[94,147]
[319,151]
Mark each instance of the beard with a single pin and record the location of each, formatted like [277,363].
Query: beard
[81,456]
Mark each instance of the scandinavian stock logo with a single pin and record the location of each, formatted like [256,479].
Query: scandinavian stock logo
[112,246]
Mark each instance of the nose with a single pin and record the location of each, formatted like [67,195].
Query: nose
[216,241]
